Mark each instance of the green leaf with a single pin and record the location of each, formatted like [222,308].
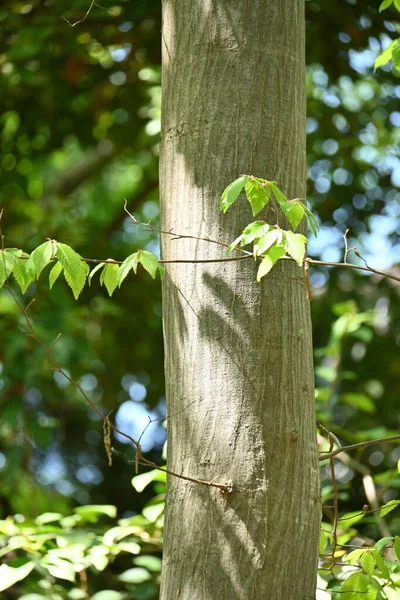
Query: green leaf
[257,194]
[55,273]
[92,512]
[108,595]
[349,519]
[311,218]
[231,193]
[59,568]
[384,57]
[280,196]
[109,277]
[354,556]
[94,270]
[273,255]
[323,541]
[39,258]
[14,571]
[396,54]
[151,563]
[149,261]
[74,267]
[266,241]
[385,4]
[397,546]
[367,562]
[253,231]
[136,575]
[48,517]
[388,507]
[7,263]
[295,245]
[398,466]
[397,4]
[380,563]
[131,262]
[140,482]
[21,274]
[293,211]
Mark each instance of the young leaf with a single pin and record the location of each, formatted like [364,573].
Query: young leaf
[273,255]
[272,237]
[367,562]
[253,231]
[39,258]
[75,269]
[131,262]
[295,245]
[381,565]
[109,277]
[280,196]
[21,274]
[384,57]
[14,571]
[257,195]
[388,507]
[312,221]
[385,4]
[55,273]
[231,193]
[7,263]
[294,211]
[149,261]
[93,271]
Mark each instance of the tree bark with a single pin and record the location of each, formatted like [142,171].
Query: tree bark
[239,370]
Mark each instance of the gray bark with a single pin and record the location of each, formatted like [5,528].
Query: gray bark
[239,371]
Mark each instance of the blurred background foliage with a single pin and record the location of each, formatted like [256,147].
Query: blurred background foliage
[79,132]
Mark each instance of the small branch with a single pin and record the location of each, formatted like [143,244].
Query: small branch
[92,4]
[331,454]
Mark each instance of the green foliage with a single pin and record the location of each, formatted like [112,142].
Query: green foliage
[270,243]
[27,268]
[58,548]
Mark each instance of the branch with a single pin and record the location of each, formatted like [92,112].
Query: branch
[331,454]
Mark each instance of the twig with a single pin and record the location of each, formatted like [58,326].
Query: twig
[331,454]
[93,3]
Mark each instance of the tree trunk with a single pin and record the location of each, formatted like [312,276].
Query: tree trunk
[239,371]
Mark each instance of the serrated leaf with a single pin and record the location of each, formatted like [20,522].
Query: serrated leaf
[55,273]
[273,255]
[388,507]
[280,196]
[40,257]
[131,262]
[367,562]
[21,274]
[385,4]
[354,556]
[293,211]
[384,57]
[312,220]
[74,267]
[14,571]
[380,544]
[94,270]
[231,193]
[109,276]
[266,241]
[149,262]
[257,194]
[295,245]
[349,519]
[380,563]
[253,231]
[7,264]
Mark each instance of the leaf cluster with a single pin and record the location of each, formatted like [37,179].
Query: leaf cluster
[270,243]
[27,268]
